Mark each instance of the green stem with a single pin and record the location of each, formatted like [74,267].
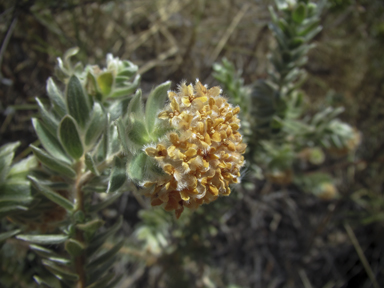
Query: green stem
[81,179]
[80,260]
[103,165]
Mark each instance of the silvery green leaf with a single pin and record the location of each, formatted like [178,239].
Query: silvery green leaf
[95,188]
[97,124]
[105,203]
[128,71]
[68,54]
[120,80]
[117,107]
[22,168]
[91,164]
[310,35]
[59,260]
[336,141]
[121,92]
[48,119]
[78,216]
[299,13]
[56,98]
[100,271]
[128,64]
[9,208]
[9,148]
[292,76]
[136,106]
[277,61]
[8,234]
[53,163]
[155,102]
[78,68]
[123,135]
[97,183]
[326,115]
[52,195]
[307,26]
[285,28]
[284,4]
[60,71]
[46,239]
[104,257]
[56,185]
[296,42]
[102,282]
[114,142]
[102,148]
[105,82]
[7,152]
[137,166]
[49,254]
[137,133]
[273,14]
[11,205]
[49,142]
[70,138]
[336,112]
[91,87]
[50,282]
[42,251]
[115,281]
[59,272]
[161,130]
[301,51]
[312,9]
[91,226]
[99,239]
[118,175]
[127,89]
[99,155]
[18,191]
[280,37]
[74,247]
[78,102]
[301,62]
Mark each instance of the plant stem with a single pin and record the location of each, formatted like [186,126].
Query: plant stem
[80,260]
[100,167]
[81,179]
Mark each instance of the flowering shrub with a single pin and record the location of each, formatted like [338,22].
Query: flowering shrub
[98,138]
[283,139]
[95,134]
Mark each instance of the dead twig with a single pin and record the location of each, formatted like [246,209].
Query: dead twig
[304,278]
[228,33]
[361,255]
[4,47]
[160,58]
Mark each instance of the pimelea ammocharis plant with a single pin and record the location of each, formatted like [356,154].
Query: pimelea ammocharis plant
[199,153]
[80,156]
[285,139]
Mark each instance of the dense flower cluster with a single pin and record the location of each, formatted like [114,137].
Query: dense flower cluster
[203,156]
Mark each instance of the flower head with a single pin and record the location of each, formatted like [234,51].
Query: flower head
[350,144]
[202,157]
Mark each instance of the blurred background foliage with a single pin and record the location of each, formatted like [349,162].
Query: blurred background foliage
[267,233]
